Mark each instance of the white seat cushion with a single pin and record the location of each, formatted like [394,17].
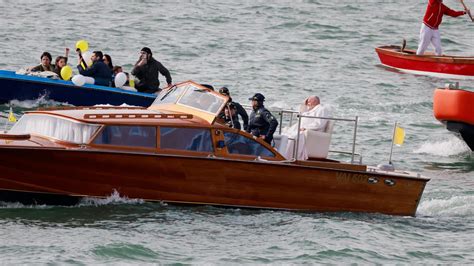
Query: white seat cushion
[281,141]
[318,142]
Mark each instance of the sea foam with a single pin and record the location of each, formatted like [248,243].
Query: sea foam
[445,147]
[41,101]
[114,198]
[454,206]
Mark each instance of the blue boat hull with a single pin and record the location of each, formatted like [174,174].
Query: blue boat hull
[24,87]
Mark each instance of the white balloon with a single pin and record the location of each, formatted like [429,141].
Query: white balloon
[120,79]
[87,57]
[78,80]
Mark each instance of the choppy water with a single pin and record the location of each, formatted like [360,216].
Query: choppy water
[286,50]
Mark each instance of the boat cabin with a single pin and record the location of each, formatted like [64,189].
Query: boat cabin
[182,120]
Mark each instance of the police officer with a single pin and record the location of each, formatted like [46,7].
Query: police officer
[262,123]
[238,110]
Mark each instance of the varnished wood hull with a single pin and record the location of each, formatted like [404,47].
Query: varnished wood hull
[441,66]
[210,181]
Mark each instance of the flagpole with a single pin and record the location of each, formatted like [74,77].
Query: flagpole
[393,139]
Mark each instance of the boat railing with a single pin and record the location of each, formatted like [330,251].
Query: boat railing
[354,136]
[291,115]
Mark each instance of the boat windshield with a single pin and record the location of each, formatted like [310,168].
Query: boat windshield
[193,97]
[54,127]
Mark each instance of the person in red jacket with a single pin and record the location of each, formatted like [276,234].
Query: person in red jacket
[429,32]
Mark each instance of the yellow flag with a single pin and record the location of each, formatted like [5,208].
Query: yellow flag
[399,136]
[11,116]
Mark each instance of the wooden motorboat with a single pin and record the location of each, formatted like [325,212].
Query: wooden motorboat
[445,66]
[176,151]
[454,108]
[24,87]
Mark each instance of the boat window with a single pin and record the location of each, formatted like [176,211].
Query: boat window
[191,96]
[202,99]
[55,127]
[189,139]
[135,136]
[238,144]
[170,95]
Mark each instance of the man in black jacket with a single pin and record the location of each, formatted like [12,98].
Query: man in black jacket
[238,110]
[146,70]
[98,71]
[262,123]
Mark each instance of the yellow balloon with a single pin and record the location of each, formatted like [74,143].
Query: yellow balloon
[82,45]
[66,72]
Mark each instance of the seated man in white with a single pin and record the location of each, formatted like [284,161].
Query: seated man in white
[310,107]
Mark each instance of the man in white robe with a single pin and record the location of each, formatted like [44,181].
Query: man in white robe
[310,107]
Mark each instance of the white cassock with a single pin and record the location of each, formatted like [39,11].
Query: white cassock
[308,124]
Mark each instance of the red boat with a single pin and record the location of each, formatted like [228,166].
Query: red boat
[445,66]
[454,108]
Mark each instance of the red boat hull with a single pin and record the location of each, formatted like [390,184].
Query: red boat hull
[429,64]
[455,108]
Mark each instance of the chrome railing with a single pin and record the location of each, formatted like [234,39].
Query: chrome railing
[332,119]
[292,114]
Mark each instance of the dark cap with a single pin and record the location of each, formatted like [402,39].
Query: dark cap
[224,90]
[147,50]
[258,97]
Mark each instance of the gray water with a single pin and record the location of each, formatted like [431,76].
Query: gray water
[286,50]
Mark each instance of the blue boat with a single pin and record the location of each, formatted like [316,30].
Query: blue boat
[24,87]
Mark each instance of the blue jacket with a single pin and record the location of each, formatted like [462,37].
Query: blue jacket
[262,122]
[99,71]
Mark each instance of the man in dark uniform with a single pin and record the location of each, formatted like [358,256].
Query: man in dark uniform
[262,123]
[238,110]
[146,70]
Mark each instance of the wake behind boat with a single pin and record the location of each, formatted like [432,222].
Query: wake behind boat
[177,151]
[444,66]
[25,87]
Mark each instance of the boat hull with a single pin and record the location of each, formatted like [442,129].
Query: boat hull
[212,181]
[454,108]
[440,66]
[465,131]
[23,87]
